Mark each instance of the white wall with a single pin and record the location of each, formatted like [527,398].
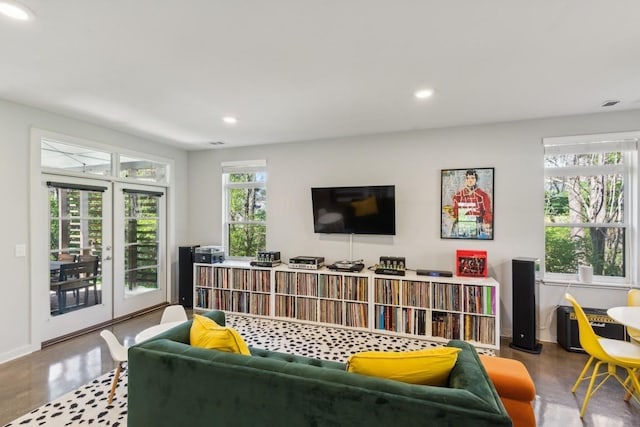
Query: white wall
[15,284]
[412,162]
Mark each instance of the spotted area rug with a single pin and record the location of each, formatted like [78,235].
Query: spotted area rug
[88,404]
[321,342]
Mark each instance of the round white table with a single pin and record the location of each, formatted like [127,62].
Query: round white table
[627,315]
[155,330]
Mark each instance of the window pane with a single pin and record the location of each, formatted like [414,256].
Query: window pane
[140,281]
[74,159]
[142,169]
[141,255]
[568,247]
[75,225]
[591,159]
[142,234]
[75,239]
[248,177]
[246,239]
[593,199]
[247,204]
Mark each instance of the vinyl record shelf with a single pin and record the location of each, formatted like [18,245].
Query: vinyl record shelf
[433,308]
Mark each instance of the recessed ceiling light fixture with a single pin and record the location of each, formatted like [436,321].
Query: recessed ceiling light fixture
[423,93]
[15,10]
[230,120]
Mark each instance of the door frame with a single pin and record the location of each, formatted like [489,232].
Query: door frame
[38,248]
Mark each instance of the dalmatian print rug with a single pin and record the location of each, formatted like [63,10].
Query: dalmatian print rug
[88,404]
[321,342]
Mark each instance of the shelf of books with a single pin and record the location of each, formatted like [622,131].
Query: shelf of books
[436,308]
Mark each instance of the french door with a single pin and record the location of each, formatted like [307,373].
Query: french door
[107,251]
[139,248]
[79,255]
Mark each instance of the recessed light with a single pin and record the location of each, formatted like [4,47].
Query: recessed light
[15,10]
[230,120]
[423,93]
[216,143]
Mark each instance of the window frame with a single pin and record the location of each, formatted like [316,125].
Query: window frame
[627,143]
[243,166]
[115,153]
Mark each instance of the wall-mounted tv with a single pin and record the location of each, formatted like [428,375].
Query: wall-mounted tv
[354,210]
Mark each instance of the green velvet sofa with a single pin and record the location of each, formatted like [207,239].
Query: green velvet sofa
[174,384]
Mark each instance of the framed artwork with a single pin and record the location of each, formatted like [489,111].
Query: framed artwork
[466,201]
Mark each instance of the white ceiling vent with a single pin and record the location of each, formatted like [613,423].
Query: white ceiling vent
[609,103]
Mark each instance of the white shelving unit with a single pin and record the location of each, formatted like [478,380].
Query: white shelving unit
[233,287]
[434,308]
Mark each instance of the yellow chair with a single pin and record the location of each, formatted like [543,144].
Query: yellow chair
[633,299]
[613,353]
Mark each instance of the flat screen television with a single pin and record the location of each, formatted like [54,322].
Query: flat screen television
[354,210]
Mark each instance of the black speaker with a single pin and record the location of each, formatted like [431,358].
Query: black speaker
[186,255]
[524,305]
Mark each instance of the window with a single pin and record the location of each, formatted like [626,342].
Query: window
[142,169]
[588,206]
[245,207]
[72,158]
[82,158]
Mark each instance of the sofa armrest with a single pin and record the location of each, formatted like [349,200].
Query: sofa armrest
[469,374]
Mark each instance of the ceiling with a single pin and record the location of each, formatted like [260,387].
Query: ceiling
[298,70]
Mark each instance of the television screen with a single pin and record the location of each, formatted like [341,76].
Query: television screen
[354,210]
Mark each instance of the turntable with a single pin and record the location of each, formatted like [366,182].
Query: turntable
[347,266]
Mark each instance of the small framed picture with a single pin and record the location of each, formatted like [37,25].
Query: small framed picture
[466,201]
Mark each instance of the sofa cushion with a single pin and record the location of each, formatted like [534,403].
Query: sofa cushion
[206,333]
[427,367]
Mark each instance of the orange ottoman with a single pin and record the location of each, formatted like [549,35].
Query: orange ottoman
[515,388]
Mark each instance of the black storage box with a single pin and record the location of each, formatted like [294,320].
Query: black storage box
[603,325]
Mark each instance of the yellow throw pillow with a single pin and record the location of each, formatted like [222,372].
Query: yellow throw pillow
[427,367]
[206,333]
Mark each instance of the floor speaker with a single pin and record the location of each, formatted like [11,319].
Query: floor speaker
[524,305]
[186,256]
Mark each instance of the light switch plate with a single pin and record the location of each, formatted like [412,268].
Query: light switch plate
[21,250]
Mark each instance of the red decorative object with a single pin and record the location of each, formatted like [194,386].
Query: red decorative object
[471,263]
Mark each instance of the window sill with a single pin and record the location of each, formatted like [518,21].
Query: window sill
[577,284]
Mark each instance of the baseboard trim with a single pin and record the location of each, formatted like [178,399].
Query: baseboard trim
[18,352]
[103,325]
